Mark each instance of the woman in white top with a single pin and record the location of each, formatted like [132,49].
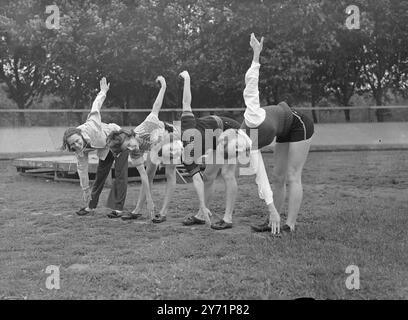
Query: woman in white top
[152,143]
[91,136]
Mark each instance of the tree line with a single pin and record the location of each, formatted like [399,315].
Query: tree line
[310,53]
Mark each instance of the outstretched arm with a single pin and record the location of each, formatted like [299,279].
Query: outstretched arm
[264,189]
[82,169]
[256,46]
[95,114]
[160,97]
[100,98]
[254,115]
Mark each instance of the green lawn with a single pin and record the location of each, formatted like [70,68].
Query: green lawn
[355,212]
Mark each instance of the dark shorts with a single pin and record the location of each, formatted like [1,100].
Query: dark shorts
[302,128]
[223,123]
[229,123]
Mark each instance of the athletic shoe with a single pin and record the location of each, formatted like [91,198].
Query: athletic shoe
[159,218]
[263,227]
[83,212]
[286,228]
[221,225]
[114,215]
[191,220]
[131,216]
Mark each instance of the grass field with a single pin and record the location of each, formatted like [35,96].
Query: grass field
[355,212]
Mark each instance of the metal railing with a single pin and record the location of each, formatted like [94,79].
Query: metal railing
[195,110]
[73,117]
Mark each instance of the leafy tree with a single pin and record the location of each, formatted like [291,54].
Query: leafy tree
[23,56]
[385,49]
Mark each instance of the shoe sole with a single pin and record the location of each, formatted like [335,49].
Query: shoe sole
[268,229]
[193,222]
[130,218]
[113,217]
[257,229]
[221,228]
[78,213]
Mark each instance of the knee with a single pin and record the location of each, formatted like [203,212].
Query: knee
[121,173]
[279,178]
[209,179]
[151,171]
[229,178]
[170,174]
[294,176]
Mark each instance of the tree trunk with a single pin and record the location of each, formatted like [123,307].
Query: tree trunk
[347,115]
[381,114]
[314,100]
[21,115]
[315,116]
[78,114]
[125,115]
[345,96]
[314,112]
[21,119]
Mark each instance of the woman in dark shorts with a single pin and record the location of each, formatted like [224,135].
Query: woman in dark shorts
[202,140]
[293,132]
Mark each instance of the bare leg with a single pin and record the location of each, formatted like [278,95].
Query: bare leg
[280,172]
[186,92]
[160,97]
[210,174]
[231,186]
[298,152]
[170,186]
[150,171]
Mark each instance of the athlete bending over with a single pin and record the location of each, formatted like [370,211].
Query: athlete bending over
[204,139]
[151,143]
[293,132]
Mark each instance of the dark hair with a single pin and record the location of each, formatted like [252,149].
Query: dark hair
[168,127]
[115,139]
[68,133]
